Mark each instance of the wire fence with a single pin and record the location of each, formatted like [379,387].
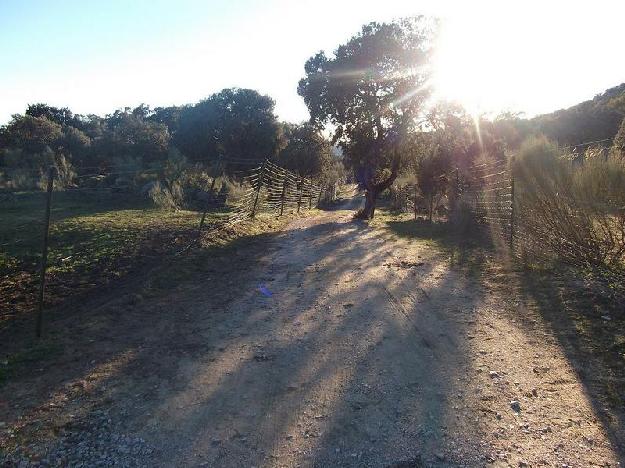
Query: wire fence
[539,215]
[91,231]
[487,190]
[548,223]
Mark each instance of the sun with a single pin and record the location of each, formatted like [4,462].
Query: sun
[468,68]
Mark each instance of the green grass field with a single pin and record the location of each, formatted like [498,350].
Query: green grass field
[91,237]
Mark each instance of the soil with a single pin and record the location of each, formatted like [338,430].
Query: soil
[332,343]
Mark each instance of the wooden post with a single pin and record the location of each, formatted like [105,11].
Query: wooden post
[512,212]
[457,189]
[299,198]
[260,185]
[44,250]
[283,195]
[416,190]
[310,194]
[199,230]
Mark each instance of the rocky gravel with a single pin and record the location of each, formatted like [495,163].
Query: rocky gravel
[90,442]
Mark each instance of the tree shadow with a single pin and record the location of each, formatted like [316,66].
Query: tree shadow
[262,356]
[587,325]
[590,331]
[285,370]
[238,383]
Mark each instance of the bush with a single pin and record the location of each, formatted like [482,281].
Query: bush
[570,211]
[402,194]
[168,198]
[28,171]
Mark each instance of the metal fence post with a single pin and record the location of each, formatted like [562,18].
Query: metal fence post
[44,251]
[457,189]
[283,195]
[199,230]
[260,185]
[512,220]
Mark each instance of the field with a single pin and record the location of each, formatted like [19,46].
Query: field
[93,240]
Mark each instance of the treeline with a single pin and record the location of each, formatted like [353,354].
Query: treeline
[597,119]
[216,138]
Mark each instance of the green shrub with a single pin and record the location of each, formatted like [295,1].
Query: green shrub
[571,211]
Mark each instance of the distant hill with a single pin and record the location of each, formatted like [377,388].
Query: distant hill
[595,119]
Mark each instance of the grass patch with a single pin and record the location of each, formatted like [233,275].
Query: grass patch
[224,256]
[84,228]
[93,238]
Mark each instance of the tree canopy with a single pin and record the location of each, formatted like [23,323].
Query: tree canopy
[237,123]
[371,92]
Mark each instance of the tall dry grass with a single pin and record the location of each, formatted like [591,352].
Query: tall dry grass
[570,211]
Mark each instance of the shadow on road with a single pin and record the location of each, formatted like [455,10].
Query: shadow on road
[329,344]
[588,327]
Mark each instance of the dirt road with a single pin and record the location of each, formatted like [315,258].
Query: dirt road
[332,344]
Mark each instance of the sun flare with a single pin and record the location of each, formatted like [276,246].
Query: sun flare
[475,66]
[461,71]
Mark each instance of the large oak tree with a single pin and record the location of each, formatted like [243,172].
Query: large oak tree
[371,94]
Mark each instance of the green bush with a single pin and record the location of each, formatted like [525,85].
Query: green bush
[570,210]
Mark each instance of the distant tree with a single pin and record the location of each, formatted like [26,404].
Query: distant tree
[91,125]
[453,143]
[234,123]
[142,111]
[74,144]
[169,116]
[434,167]
[28,145]
[130,137]
[307,151]
[371,93]
[60,115]
[31,134]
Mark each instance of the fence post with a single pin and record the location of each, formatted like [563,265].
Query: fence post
[512,220]
[283,196]
[457,188]
[310,194]
[44,251]
[321,190]
[199,230]
[299,198]
[260,185]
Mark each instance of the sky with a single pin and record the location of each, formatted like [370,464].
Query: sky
[97,56]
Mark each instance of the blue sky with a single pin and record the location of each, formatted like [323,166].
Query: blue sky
[97,56]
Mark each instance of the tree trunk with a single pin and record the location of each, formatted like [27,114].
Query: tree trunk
[369,210]
[431,207]
[373,190]
[212,189]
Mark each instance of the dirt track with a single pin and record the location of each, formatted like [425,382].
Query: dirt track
[335,345]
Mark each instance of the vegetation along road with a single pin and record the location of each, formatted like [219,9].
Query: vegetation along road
[331,343]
